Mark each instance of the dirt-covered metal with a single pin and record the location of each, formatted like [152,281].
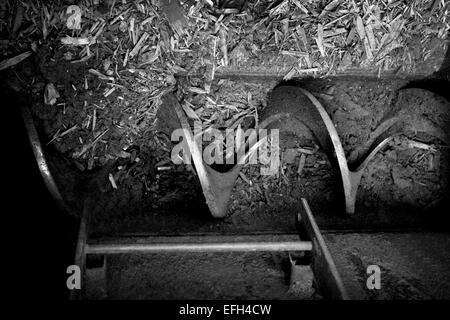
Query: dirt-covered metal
[294,109]
[294,103]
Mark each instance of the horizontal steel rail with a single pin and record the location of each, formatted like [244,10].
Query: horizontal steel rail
[200,244]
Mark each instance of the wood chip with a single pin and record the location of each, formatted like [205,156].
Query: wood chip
[290,74]
[280,9]
[86,147]
[109,91]
[244,177]
[17,20]
[329,7]
[308,71]
[100,75]
[294,53]
[309,150]
[300,6]
[138,45]
[175,15]
[223,45]
[112,181]
[371,37]
[420,145]
[71,41]
[368,49]
[50,94]
[301,164]
[319,40]
[360,27]
[189,111]
[197,90]
[334,32]
[302,34]
[14,60]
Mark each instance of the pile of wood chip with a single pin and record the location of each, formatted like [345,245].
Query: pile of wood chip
[135,51]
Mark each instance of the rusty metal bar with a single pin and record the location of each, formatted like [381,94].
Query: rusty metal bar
[216,186]
[201,244]
[80,250]
[293,108]
[40,158]
[323,266]
[257,75]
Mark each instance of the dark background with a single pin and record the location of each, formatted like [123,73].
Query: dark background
[41,239]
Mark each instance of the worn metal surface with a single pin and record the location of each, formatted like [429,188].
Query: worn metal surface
[40,159]
[323,265]
[199,243]
[285,102]
[216,185]
[185,246]
[295,103]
